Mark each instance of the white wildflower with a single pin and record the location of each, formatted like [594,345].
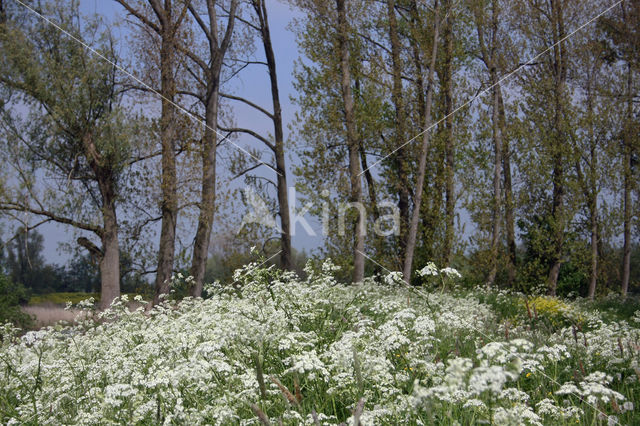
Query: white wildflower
[430,269]
[450,272]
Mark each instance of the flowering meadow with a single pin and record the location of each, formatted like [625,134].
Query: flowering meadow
[278,349]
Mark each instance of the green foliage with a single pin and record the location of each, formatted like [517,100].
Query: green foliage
[11,297]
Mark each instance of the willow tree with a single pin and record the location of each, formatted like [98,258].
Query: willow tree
[64,129]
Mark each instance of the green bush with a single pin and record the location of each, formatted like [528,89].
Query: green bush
[11,296]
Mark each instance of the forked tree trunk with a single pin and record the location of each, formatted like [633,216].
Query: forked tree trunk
[352,142]
[217,51]
[109,256]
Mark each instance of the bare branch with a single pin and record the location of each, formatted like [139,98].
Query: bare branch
[248,102]
[10,206]
[139,15]
[249,132]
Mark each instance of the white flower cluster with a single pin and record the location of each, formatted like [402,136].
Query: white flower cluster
[291,346]
[430,269]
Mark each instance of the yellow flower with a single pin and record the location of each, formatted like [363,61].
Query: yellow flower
[528,374]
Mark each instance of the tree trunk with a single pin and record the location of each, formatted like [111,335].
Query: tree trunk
[594,253]
[166,28]
[169,207]
[422,165]
[590,188]
[110,262]
[217,52]
[208,191]
[400,156]
[557,210]
[497,189]
[508,198]
[110,254]
[447,84]
[489,58]
[626,166]
[286,260]
[352,142]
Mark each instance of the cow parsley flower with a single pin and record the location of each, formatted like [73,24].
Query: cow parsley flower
[393,278]
[430,269]
[450,272]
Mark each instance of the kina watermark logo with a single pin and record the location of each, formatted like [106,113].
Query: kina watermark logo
[334,215]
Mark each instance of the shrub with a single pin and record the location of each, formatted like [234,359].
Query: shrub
[11,296]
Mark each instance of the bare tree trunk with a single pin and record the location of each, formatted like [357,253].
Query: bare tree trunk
[422,165]
[352,141]
[208,191]
[110,262]
[400,156]
[286,260]
[217,51]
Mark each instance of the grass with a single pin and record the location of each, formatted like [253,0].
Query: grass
[62,298]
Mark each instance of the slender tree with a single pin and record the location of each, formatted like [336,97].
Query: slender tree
[449,146]
[400,157]
[210,65]
[276,146]
[165,21]
[489,54]
[352,141]
[426,137]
